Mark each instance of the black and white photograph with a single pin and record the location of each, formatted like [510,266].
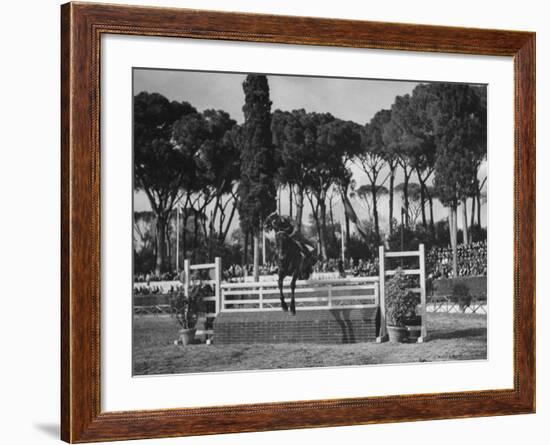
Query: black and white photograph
[289,222]
[238,222]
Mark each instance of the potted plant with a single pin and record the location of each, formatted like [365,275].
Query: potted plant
[400,306]
[186,310]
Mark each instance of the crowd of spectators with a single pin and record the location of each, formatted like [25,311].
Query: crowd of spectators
[151,276]
[144,289]
[236,272]
[471,261]
[363,268]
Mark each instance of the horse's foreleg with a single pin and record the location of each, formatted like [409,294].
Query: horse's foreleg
[292,288]
[283,304]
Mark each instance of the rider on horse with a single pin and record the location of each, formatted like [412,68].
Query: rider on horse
[295,255]
[284,224]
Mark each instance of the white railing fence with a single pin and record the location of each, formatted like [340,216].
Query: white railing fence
[345,293]
[273,277]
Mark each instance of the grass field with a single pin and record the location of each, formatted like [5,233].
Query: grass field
[451,337]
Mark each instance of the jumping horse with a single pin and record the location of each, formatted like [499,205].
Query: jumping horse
[294,261]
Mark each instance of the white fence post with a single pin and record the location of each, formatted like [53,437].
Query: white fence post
[424,329]
[329,295]
[218,284]
[382,293]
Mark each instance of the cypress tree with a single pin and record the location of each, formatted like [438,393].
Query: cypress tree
[257,193]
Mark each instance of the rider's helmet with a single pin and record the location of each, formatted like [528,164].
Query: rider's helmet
[279,223]
[272,221]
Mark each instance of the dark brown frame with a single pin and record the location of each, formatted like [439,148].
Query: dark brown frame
[81,28]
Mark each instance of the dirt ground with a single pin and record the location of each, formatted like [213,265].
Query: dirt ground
[451,337]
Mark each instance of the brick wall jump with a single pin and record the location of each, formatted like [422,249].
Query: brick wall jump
[328,326]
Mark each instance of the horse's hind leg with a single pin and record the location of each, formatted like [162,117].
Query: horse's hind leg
[292,288]
[283,304]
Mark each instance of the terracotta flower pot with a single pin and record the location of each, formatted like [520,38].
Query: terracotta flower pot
[398,334]
[187,336]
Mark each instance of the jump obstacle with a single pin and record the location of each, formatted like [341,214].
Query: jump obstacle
[342,310]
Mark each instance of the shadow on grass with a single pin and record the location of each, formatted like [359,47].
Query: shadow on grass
[460,333]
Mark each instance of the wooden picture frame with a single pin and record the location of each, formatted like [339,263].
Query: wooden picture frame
[82,26]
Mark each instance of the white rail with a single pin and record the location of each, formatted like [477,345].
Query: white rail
[202,266]
[346,293]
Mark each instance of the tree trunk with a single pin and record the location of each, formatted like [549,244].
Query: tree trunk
[251,245]
[406,199]
[213,216]
[432,225]
[422,198]
[323,234]
[319,230]
[375,211]
[290,204]
[347,231]
[465,237]
[168,255]
[220,223]
[299,208]
[453,235]
[455,251]
[195,233]
[316,218]
[344,192]
[245,250]
[406,196]
[474,195]
[183,234]
[392,180]
[478,198]
[223,235]
[343,237]
[332,227]
[161,243]
[256,256]
[473,212]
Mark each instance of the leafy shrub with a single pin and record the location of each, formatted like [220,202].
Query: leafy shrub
[442,235]
[185,309]
[358,248]
[400,301]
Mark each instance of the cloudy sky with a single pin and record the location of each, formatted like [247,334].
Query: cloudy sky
[349,99]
